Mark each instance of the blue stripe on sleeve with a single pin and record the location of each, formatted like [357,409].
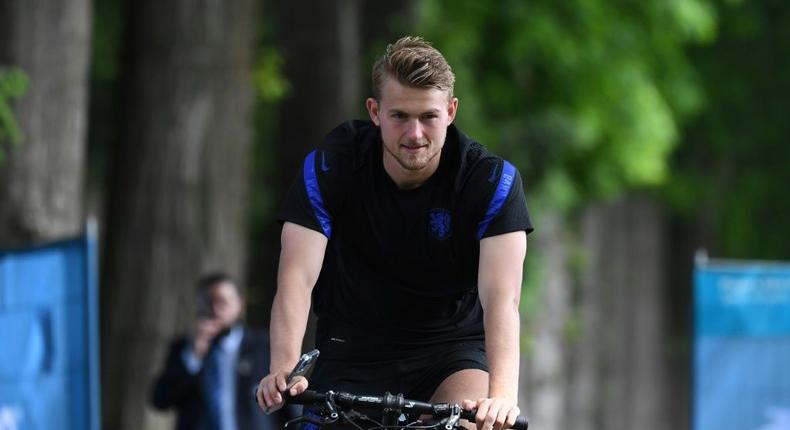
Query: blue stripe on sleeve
[314,194]
[500,195]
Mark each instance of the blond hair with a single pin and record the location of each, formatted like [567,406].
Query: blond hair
[414,63]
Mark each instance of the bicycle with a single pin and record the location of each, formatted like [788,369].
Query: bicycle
[346,408]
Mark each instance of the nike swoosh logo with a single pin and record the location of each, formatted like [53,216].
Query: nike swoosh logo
[492,179]
[324,167]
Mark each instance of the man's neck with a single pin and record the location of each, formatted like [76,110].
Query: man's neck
[406,179]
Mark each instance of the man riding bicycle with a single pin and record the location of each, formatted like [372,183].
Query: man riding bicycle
[410,239]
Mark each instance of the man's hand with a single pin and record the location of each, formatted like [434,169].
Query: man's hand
[205,332]
[271,387]
[493,414]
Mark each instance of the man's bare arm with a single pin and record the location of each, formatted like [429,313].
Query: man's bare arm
[301,258]
[499,284]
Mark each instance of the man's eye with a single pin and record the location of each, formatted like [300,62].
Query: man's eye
[399,115]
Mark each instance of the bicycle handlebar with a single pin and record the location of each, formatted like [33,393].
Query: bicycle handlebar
[390,402]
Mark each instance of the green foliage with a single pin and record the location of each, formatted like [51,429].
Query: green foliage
[530,306]
[13,85]
[734,166]
[269,76]
[271,87]
[108,28]
[105,107]
[586,97]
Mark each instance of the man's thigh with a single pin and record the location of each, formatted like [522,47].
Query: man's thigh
[467,384]
[417,375]
[441,367]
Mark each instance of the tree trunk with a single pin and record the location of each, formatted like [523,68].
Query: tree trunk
[41,195]
[322,64]
[686,236]
[382,23]
[545,377]
[619,380]
[177,201]
[321,51]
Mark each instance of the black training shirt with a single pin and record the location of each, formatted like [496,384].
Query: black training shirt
[403,263]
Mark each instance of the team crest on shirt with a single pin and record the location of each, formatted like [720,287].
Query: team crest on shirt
[439,220]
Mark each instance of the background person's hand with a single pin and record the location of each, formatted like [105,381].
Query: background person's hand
[269,394]
[205,332]
[493,414]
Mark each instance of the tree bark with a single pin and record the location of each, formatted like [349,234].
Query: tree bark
[41,192]
[686,236]
[382,23]
[177,201]
[621,372]
[322,64]
[545,377]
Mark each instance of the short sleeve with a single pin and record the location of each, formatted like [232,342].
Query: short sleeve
[319,190]
[505,209]
[309,198]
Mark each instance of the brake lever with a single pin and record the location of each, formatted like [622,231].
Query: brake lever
[333,415]
[455,415]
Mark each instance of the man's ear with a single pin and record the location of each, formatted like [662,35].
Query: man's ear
[452,109]
[373,110]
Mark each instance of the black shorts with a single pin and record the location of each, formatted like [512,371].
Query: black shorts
[416,374]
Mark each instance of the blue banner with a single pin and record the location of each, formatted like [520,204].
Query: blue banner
[49,368]
[742,346]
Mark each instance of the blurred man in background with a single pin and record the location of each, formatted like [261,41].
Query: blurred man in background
[209,376]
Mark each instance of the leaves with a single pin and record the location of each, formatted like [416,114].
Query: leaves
[733,168]
[269,76]
[598,89]
[13,85]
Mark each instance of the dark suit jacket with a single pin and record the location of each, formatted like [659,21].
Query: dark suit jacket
[177,388]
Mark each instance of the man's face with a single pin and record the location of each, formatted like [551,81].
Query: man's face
[226,305]
[413,125]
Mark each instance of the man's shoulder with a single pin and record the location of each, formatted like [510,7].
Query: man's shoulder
[345,148]
[178,344]
[350,137]
[352,129]
[477,166]
[255,343]
[179,341]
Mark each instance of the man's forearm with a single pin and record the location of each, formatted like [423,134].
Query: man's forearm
[289,320]
[502,348]
[500,276]
[301,258]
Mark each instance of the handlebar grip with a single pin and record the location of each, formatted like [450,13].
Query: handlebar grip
[308,397]
[522,423]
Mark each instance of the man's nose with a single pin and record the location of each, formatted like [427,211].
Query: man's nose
[414,130]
